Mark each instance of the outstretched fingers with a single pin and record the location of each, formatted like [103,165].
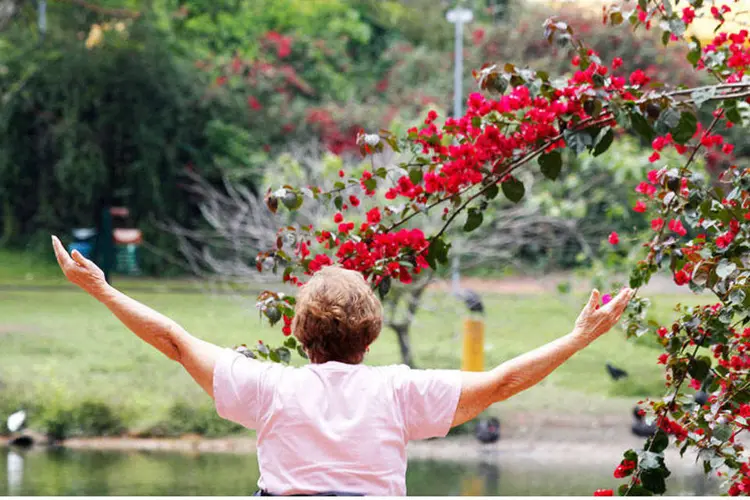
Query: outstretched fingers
[593,300]
[620,302]
[63,259]
[80,259]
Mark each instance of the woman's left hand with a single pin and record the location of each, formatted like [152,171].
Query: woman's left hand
[595,321]
[79,270]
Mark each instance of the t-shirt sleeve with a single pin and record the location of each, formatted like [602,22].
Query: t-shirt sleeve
[428,400]
[243,389]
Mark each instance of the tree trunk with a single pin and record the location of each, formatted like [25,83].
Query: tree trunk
[402,332]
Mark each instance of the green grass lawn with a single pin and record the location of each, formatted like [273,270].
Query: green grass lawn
[58,347]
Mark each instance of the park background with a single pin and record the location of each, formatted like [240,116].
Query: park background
[164,107]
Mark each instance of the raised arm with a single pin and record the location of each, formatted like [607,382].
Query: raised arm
[481,389]
[197,356]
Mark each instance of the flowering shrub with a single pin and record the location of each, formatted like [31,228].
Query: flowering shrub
[459,166]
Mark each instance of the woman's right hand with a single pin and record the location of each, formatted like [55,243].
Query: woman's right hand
[79,270]
[595,321]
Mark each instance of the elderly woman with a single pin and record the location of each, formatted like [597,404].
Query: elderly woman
[337,426]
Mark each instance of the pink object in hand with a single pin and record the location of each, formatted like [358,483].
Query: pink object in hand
[606,298]
[334,426]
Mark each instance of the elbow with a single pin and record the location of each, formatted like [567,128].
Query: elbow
[509,385]
[172,348]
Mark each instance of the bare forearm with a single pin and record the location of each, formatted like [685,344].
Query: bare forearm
[154,328]
[529,369]
[481,389]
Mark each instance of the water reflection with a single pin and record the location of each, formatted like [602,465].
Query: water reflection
[15,473]
[57,472]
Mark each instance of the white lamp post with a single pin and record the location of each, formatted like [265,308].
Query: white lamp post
[458,16]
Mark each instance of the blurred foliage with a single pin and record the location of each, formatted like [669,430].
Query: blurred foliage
[121,96]
[184,418]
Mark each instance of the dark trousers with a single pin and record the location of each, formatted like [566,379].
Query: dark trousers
[263,493]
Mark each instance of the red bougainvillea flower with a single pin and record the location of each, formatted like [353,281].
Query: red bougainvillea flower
[624,469]
[338,218]
[657,224]
[638,77]
[604,493]
[639,207]
[681,277]
[676,226]
[614,238]
[663,359]
[254,103]
[373,216]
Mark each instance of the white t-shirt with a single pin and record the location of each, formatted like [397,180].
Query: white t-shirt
[334,426]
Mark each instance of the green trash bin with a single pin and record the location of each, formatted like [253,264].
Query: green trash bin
[127,243]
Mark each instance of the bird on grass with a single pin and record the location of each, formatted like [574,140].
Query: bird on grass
[615,373]
[639,427]
[488,430]
[15,424]
[469,297]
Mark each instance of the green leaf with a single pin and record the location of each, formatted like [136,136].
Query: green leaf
[641,126]
[603,141]
[301,351]
[722,432]
[290,342]
[415,175]
[371,184]
[668,120]
[686,128]
[695,52]
[473,219]
[677,26]
[285,356]
[724,268]
[476,121]
[513,189]
[665,36]
[437,252]
[491,192]
[667,6]
[653,480]
[702,96]
[551,164]
[737,296]
[699,367]
[731,112]
[631,455]
[650,460]
[274,356]
[291,200]
[338,202]
[384,287]
[659,441]
[578,141]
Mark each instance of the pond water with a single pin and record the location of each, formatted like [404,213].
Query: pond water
[98,473]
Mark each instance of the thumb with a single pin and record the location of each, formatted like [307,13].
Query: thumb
[594,299]
[80,259]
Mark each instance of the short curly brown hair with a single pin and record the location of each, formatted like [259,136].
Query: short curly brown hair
[337,316]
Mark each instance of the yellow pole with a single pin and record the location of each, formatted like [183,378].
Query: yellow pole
[473,345]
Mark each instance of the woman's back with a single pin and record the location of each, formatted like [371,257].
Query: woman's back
[335,426]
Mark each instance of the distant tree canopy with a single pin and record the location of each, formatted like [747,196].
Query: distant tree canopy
[121,97]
